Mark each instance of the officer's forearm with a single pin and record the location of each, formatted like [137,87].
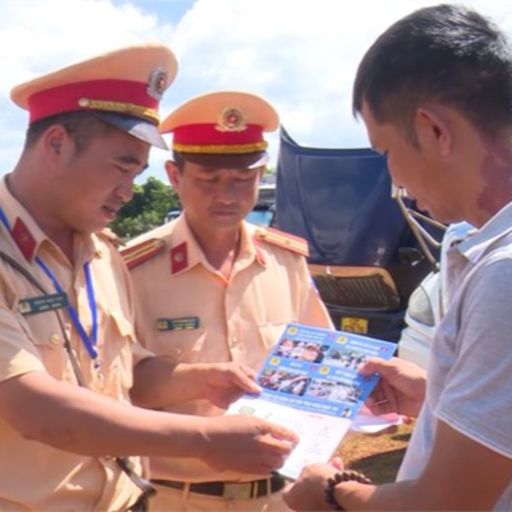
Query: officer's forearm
[77,420]
[158,382]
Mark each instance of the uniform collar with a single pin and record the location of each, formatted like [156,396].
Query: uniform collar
[496,228]
[25,232]
[92,246]
[29,237]
[186,252]
[252,244]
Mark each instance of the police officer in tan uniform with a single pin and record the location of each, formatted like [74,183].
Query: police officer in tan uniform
[67,342]
[211,287]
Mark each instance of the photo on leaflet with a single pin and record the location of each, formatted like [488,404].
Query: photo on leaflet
[333,390]
[284,381]
[345,358]
[301,350]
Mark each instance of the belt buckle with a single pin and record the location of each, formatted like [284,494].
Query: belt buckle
[237,491]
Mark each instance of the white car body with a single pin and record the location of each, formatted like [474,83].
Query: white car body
[422,316]
[427,304]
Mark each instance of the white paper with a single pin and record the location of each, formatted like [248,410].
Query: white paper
[311,385]
[367,423]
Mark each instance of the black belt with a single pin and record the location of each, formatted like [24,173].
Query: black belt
[231,490]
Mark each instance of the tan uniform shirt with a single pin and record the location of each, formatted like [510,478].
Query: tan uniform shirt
[238,319]
[34,476]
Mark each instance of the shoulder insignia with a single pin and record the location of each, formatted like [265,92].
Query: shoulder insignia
[111,237]
[283,239]
[23,238]
[179,258]
[142,252]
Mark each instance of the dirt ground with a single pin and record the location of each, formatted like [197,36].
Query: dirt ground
[378,456]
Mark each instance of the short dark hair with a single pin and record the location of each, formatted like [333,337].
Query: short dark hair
[178,160]
[81,126]
[446,53]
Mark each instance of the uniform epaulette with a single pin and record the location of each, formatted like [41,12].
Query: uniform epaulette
[142,252]
[111,237]
[283,239]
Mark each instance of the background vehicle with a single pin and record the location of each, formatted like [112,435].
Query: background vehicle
[427,304]
[173,214]
[264,210]
[423,314]
[363,256]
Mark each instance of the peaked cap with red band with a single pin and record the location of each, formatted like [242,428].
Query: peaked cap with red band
[123,87]
[224,123]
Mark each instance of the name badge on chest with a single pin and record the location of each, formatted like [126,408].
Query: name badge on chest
[184,323]
[34,305]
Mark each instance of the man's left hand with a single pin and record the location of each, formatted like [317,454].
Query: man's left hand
[308,492]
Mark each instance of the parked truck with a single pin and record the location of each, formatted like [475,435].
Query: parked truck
[364,257]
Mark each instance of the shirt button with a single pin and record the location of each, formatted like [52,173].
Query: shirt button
[55,339]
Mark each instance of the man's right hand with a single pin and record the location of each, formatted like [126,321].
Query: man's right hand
[401,387]
[246,444]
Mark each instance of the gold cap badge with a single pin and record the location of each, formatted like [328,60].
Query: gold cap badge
[231,120]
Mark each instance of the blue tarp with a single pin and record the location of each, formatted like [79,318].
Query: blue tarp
[339,200]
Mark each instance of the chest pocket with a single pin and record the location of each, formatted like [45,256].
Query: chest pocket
[182,346]
[115,342]
[44,330]
[270,332]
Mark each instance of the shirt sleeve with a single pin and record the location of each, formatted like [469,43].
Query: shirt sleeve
[313,310]
[476,399]
[139,349]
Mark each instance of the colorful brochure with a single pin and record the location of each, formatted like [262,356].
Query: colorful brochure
[311,385]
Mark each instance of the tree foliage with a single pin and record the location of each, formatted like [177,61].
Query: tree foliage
[150,204]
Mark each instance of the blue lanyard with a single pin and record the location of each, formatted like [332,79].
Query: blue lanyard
[4,220]
[88,341]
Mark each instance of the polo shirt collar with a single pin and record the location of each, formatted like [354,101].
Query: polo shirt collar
[496,228]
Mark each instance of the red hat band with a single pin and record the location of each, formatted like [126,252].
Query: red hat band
[115,96]
[209,138]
